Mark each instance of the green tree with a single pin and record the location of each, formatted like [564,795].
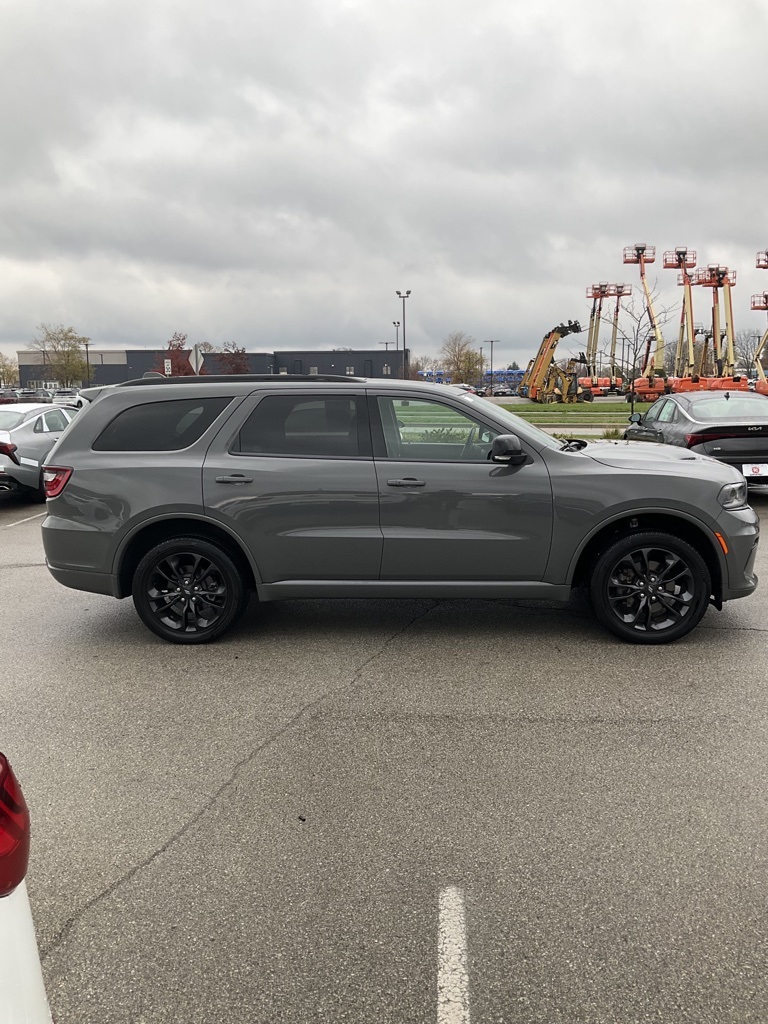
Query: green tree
[460,357]
[63,351]
[9,371]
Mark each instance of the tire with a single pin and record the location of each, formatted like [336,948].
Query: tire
[627,571]
[182,565]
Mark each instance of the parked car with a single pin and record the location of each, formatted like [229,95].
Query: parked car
[27,434]
[8,396]
[191,493]
[501,390]
[730,426]
[22,991]
[35,395]
[68,396]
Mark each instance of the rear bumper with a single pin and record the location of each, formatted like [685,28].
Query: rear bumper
[81,579]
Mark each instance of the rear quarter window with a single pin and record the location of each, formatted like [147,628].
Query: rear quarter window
[165,426]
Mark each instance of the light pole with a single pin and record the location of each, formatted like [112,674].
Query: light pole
[403,296]
[482,364]
[396,324]
[87,343]
[492,342]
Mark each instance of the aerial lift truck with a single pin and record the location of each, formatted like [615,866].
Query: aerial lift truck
[760,301]
[716,277]
[535,376]
[591,384]
[685,377]
[652,382]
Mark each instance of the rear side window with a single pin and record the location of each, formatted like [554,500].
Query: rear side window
[160,426]
[300,425]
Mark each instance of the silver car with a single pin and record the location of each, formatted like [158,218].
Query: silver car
[27,434]
[191,494]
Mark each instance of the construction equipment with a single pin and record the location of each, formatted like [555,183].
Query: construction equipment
[652,382]
[536,374]
[562,384]
[591,384]
[615,382]
[716,277]
[685,377]
[760,301]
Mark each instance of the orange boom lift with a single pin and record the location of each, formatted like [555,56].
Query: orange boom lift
[717,277]
[760,301]
[616,382]
[592,384]
[652,383]
[685,376]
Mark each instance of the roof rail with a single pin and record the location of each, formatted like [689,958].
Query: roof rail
[245,378]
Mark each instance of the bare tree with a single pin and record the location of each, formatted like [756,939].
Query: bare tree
[635,336]
[460,357]
[745,345]
[62,350]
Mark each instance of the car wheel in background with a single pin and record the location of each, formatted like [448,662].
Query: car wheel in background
[650,588]
[188,591]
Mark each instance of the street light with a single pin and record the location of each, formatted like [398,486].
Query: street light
[492,342]
[403,296]
[396,324]
[87,342]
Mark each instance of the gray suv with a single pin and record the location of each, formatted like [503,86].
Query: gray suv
[191,494]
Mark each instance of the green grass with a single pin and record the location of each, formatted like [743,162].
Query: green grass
[607,413]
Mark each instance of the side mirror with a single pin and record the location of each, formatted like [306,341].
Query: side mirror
[507,450]
[635,417]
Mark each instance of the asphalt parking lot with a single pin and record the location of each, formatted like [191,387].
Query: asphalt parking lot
[388,811]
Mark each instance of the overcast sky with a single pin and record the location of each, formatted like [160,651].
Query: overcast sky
[270,172]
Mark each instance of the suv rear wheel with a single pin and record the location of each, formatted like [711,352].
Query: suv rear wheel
[188,591]
[650,588]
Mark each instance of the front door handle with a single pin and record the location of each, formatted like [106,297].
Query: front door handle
[409,481]
[236,478]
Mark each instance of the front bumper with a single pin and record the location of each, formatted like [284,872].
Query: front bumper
[741,531]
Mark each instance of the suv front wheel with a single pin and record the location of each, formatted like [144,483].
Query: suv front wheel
[650,588]
[188,591]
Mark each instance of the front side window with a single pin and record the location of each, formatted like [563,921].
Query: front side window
[166,426]
[418,429]
[303,426]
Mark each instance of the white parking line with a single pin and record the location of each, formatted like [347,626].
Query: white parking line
[20,521]
[452,979]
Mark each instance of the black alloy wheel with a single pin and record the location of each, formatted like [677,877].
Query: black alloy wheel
[650,588]
[188,591]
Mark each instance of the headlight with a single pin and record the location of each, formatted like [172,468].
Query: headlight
[733,495]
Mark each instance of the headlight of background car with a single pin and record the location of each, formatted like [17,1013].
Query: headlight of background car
[733,495]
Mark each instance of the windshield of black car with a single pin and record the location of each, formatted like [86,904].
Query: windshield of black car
[9,420]
[730,406]
[516,424]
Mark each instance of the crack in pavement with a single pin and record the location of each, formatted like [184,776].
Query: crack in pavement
[63,933]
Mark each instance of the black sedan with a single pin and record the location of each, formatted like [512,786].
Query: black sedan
[730,426]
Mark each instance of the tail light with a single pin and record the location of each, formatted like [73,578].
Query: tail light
[55,480]
[694,439]
[10,450]
[14,831]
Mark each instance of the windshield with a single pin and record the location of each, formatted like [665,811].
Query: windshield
[515,423]
[9,420]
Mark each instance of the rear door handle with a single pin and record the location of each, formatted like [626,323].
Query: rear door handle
[236,478]
[409,481]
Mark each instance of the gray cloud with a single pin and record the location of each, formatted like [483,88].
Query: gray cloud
[272,173]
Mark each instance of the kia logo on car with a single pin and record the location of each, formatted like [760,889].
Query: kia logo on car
[754,428]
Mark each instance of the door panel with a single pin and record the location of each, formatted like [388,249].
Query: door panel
[303,516]
[454,517]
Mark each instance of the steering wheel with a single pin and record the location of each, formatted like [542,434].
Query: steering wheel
[469,443]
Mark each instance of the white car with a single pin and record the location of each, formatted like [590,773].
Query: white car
[68,396]
[22,991]
[27,434]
